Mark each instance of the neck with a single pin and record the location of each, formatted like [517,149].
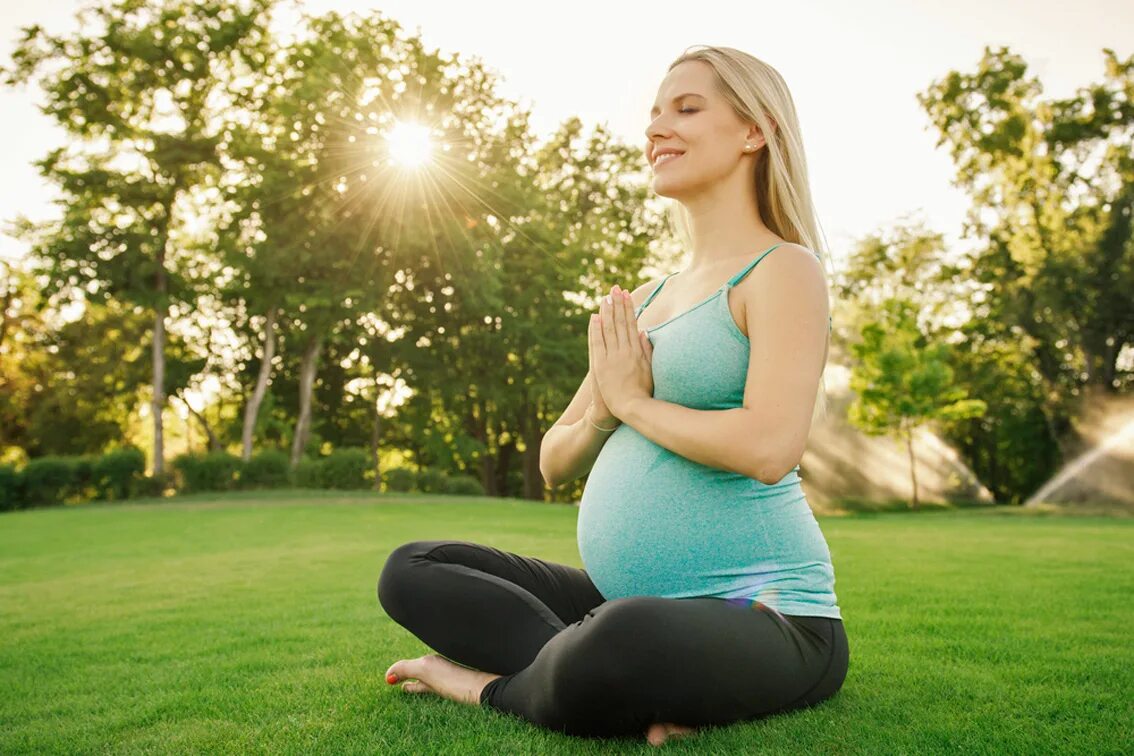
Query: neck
[726,223]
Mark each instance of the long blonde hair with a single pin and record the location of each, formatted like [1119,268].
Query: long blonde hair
[758,94]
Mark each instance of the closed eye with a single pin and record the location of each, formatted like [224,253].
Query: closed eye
[687,110]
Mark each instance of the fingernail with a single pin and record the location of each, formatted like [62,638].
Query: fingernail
[609,300]
[391,678]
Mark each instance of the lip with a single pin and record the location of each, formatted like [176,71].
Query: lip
[659,162]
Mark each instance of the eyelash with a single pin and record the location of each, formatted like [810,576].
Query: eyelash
[687,110]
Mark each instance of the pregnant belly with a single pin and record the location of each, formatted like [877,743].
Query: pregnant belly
[653,523]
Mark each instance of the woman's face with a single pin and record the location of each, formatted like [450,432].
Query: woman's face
[691,117]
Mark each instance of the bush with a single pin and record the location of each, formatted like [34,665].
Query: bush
[345,468]
[399,479]
[267,469]
[430,480]
[215,471]
[47,480]
[154,485]
[465,485]
[11,485]
[83,477]
[308,473]
[118,473]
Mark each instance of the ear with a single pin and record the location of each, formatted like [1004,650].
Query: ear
[756,136]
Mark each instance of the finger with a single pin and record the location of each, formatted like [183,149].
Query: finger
[607,318]
[618,318]
[596,335]
[632,339]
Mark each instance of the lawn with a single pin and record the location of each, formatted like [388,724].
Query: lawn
[249,623]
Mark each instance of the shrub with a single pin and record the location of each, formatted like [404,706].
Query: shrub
[117,473]
[430,480]
[83,484]
[154,485]
[267,469]
[11,483]
[399,479]
[307,473]
[465,485]
[345,468]
[214,471]
[46,480]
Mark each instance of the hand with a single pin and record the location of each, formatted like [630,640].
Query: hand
[621,356]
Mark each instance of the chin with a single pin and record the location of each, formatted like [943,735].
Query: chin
[673,188]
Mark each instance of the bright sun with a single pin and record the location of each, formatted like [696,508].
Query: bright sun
[409,144]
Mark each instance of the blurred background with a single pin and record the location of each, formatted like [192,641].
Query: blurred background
[354,245]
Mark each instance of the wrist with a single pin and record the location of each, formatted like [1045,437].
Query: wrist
[602,424]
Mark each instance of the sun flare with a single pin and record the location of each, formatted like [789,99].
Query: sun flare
[409,144]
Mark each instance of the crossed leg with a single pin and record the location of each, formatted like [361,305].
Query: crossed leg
[564,658]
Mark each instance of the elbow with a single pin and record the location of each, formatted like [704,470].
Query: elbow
[770,472]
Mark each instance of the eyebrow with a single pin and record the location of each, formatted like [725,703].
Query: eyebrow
[655,108]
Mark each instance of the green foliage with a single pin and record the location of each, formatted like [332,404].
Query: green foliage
[465,485]
[11,488]
[118,473]
[267,469]
[156,485]
[432,480]
[47,480]
[213,471]
[307,473]
[399,479]
[345,469]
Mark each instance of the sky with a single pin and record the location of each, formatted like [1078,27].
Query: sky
[854,69]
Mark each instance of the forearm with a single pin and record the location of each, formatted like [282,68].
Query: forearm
[569,451]
[724,439]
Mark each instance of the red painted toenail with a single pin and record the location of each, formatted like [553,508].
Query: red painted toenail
[391,678]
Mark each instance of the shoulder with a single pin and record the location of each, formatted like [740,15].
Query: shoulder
[786,265]
[639,295]
[789,277]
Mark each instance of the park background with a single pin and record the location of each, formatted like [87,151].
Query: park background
[354,246]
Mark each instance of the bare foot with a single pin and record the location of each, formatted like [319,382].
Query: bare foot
[436,674]
[658,732]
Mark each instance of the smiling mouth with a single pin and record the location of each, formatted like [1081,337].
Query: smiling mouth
[667,158]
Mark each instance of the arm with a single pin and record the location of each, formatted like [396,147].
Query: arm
[569,450]
[786,318]
[723,439]
[571,446]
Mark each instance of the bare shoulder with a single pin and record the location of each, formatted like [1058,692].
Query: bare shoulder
[791,276]
[638,296]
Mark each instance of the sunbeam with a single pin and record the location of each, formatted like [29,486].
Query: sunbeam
[409,144]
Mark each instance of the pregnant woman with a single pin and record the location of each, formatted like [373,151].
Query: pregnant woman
[707,594]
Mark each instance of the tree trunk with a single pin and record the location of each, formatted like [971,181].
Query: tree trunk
[214,442]
[504,455]
[913,464]
[306,384]
[157,404]
[533,479]
[376,436]
[252,410]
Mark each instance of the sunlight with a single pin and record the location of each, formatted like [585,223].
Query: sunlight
[409,144]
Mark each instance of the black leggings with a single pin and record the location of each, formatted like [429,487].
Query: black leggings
[576,663]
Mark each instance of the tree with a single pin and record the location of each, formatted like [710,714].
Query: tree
[143,94]
[901,380]
[1052,184]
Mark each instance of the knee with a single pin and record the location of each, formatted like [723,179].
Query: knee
[394,584]
[594,676]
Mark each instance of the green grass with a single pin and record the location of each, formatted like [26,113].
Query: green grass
[249,623]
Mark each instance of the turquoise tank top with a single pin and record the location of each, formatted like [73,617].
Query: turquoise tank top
[654,523]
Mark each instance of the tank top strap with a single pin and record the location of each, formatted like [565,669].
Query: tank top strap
[653,293]
[740,276]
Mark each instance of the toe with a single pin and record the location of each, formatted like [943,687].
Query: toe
[404,669]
